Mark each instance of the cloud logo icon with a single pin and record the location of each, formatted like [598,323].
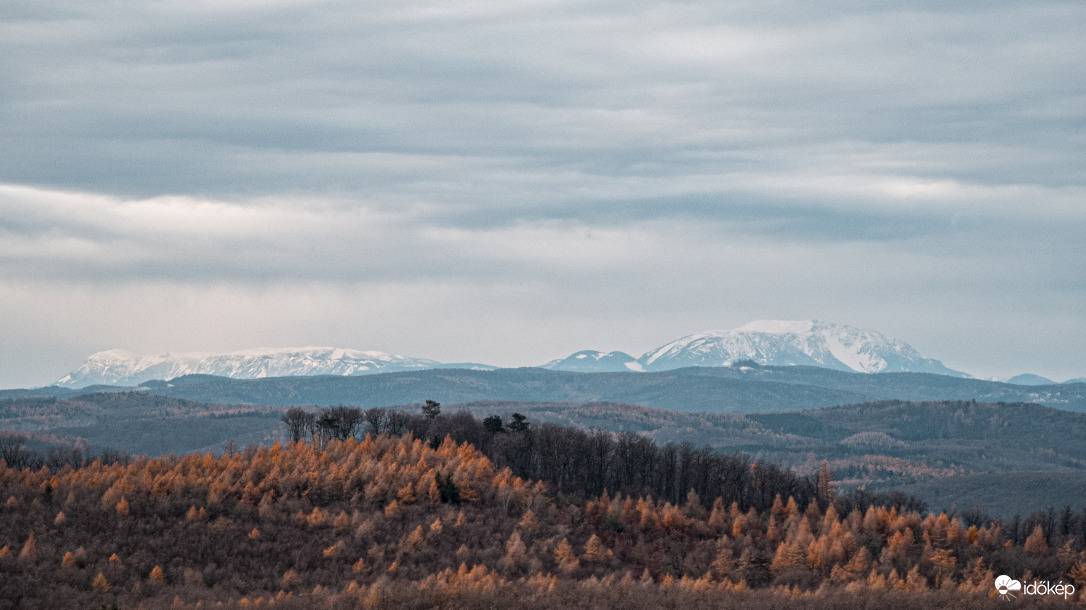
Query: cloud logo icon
[1005,584]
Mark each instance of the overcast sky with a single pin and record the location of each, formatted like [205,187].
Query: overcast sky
[509,182]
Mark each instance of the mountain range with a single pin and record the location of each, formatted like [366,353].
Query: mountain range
[762,342]
[121,367]
[765,342]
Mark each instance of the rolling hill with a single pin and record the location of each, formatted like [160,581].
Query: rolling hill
[743,387]
[945,452]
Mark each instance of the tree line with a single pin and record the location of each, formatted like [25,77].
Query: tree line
[573,461]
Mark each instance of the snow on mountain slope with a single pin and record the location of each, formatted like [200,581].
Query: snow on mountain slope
[120,367]
[769,342]
[591,361]
[805,342]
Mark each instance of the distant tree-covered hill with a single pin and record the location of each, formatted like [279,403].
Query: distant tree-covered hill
[943,451]
[741,388]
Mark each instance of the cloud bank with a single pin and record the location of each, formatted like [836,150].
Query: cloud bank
[511,182]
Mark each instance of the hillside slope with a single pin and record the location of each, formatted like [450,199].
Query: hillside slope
[748,389]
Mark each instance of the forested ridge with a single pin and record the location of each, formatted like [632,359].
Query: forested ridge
[744,387]
[436,511]
[1007,458]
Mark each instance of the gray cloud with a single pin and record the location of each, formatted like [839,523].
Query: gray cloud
[543,170]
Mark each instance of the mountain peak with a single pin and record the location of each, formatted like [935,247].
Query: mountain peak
[114,355]
[592,361]
[795,342]
[769,342]
[1030,379]
[778,327]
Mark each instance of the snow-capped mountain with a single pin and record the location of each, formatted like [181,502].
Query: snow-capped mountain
[769,342]
[120,367]
[591,361]
[805,342]
[774,343]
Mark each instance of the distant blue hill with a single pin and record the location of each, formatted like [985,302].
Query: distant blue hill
[1030,379]
[746,387]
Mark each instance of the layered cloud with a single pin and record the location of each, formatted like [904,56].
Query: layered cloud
[522,177]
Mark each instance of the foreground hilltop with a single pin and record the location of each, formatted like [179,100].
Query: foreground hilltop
[518,518]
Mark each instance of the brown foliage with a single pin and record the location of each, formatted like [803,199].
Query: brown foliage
[354,523]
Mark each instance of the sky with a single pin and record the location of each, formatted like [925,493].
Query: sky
[508,182]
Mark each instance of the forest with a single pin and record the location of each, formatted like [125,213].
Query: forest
[379,508]
[1010,458]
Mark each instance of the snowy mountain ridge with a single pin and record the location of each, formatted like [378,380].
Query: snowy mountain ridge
[781,343]
[121,367]
[795,342]
[766,342]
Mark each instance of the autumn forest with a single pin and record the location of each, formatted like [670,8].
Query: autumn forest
[383,509]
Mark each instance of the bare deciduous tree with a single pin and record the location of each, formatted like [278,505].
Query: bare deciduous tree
[299,423]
